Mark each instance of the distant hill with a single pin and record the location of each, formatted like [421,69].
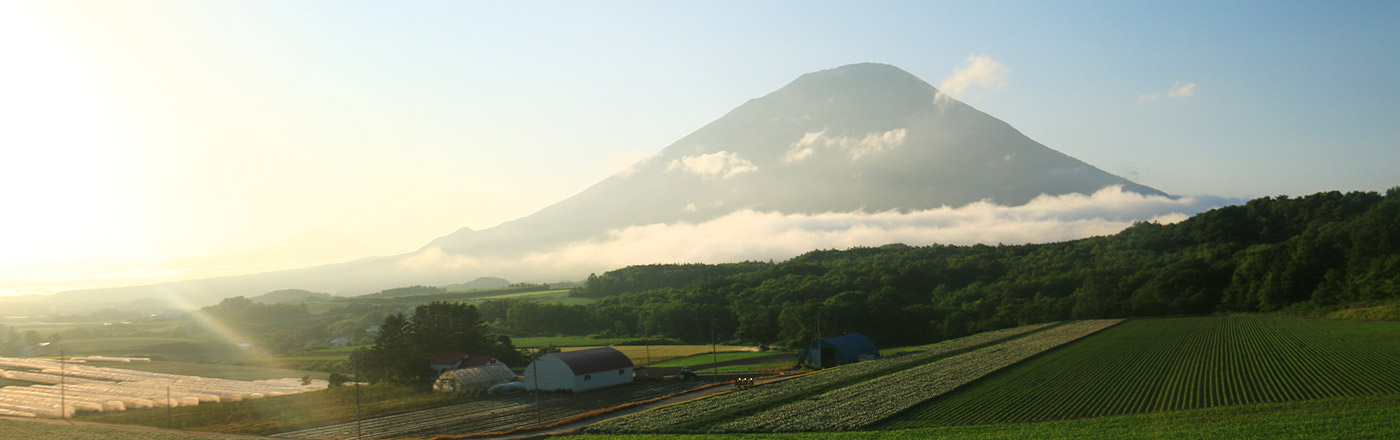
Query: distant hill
[291,296]
[478,284]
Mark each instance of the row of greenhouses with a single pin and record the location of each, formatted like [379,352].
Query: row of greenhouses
[66,388]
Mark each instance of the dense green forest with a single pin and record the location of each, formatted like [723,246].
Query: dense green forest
[1270,254]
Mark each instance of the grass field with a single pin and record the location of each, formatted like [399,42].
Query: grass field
[284,413]
[705,358]
[212,370]
[36,430]
[1153,365]
[660,353]
[566,341]
[1327,419]
[749,368]
[14,383]
[175,349]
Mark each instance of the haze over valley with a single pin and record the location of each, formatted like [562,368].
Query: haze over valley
[699,220]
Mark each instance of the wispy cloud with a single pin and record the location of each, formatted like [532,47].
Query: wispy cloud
[977,70]
[856,147]
[749,235]
[1180,90]
[1177,91]
[722,164]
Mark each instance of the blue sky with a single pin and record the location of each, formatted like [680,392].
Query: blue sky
[160,139]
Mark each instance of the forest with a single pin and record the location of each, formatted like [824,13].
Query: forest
[1272,254]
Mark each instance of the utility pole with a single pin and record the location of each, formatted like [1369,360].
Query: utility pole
[714,358]
[535,365]
[357,396]
[62,392]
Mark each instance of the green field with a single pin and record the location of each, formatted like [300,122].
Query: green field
[39,430]
[175,349]
[1154,365]
[705,358]
[748,368]
[660,353]
[1328,419]
[212,370]
[14,383]
[566,341]
[283,413]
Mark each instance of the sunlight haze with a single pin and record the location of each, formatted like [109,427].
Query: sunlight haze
[150,141]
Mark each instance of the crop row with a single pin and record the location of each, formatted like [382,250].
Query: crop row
[1184,363]
[863,404]
[697,412]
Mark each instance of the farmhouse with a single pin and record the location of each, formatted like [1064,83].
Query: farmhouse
[448,361]
[579,370]
[842,350]
[474,378]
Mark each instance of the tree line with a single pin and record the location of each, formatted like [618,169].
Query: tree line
[1270,254]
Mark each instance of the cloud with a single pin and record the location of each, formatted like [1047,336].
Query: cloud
[721,164]
[856,147]
[757,235]
[977,70]
[1177,91]
[1180,90]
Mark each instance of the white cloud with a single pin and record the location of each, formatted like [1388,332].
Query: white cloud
[690,207]
[721,164]
[855,147]
[977,70]
[755,235]
[1180,90]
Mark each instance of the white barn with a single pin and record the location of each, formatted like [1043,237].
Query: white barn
[579,370]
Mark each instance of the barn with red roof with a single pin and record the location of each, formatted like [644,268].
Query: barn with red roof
[579,370]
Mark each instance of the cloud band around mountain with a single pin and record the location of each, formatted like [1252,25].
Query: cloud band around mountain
[756,235]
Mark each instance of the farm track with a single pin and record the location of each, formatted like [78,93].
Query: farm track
[1178,364]
[493,414]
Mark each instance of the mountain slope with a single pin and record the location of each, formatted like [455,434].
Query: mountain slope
[864,136]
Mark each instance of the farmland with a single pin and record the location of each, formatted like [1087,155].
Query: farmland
[233,372]
[697,414]
[496,414]
[1182,363]
[862,404]
[284,413]
[1341,418]
[37,430]
[640,353]
[705,358]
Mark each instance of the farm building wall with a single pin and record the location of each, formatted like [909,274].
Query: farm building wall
[553,375]
[601,379]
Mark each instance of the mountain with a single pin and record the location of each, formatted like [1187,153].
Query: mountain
[481,283]
[291,296]
[862,137]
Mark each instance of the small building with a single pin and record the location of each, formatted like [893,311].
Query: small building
[447,361]
[579,370]
[474,379]
[341,341]
[842,350]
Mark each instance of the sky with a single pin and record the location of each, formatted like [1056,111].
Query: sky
[145,141]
